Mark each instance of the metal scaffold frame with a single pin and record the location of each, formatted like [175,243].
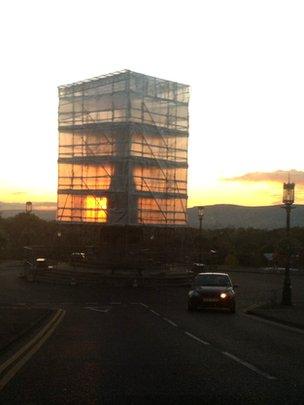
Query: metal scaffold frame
[123,141]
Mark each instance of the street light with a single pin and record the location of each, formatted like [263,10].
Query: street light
[28,207]
[288,200]
[59,253]
[201,211]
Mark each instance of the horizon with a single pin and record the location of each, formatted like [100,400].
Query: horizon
[52,206]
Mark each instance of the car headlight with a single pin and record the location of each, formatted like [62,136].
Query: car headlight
[223,295]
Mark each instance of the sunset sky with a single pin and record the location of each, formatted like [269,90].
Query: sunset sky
[243,59]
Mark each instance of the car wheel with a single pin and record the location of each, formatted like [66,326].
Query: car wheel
[232,308]
[191,307]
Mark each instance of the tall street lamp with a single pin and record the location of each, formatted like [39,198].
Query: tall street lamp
[288,200]
[59,253]
[28,207]
[201,211]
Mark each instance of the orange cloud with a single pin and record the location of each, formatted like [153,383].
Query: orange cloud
[278,176]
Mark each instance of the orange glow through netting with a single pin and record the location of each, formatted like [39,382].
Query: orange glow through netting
[96,209]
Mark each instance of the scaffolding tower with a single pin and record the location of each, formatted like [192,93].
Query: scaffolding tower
[123,142]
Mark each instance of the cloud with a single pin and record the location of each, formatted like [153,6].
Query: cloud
[42,206]
[19,193]
[278,176]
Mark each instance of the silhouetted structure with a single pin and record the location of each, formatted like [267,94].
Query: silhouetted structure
[123,150]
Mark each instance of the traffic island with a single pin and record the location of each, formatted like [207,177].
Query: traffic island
[287,315]
[74,276]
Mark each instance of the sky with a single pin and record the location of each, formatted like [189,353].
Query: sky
[243,59]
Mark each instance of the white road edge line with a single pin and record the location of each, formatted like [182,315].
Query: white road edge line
[169,321]
[154,312]
[250,366]
[143,305]
[98,309]
[274,323]
[197,339]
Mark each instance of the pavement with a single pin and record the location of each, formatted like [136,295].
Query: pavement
[287,315]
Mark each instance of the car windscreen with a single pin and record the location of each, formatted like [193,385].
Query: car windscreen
[212,280]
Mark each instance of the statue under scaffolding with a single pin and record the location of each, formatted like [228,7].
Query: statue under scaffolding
[123,142]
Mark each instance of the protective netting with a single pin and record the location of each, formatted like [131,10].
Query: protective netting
[123,142]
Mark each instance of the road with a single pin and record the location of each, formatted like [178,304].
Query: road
[120,345]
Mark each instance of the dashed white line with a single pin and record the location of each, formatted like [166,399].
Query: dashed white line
[250,366]
[169,321]
[197,339]
[231,356]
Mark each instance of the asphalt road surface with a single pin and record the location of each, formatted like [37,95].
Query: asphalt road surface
[120,345]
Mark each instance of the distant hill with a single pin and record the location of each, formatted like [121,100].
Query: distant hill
[216,216]
[48,215]
[236,216]
[44,210]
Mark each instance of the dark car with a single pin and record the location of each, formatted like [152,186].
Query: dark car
[78,258]
[41,263]
[212,290]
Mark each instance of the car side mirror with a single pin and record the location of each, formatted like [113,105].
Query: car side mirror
[235,286]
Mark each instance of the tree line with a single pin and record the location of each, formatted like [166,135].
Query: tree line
[151,245]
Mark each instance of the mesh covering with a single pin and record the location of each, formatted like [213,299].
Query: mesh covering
[123,142]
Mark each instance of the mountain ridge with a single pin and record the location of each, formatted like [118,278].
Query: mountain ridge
[238,216]
[215,216]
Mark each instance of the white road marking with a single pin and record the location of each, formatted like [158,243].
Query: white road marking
[154,312]
[98,309]
[274,323]
[250,366]
[169,321]
[197,339]
[143,305]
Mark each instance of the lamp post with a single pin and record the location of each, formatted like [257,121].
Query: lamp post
[201,211]
[59,234]
[288,200]
[28,207]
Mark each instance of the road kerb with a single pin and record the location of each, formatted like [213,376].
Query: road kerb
[251,311]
